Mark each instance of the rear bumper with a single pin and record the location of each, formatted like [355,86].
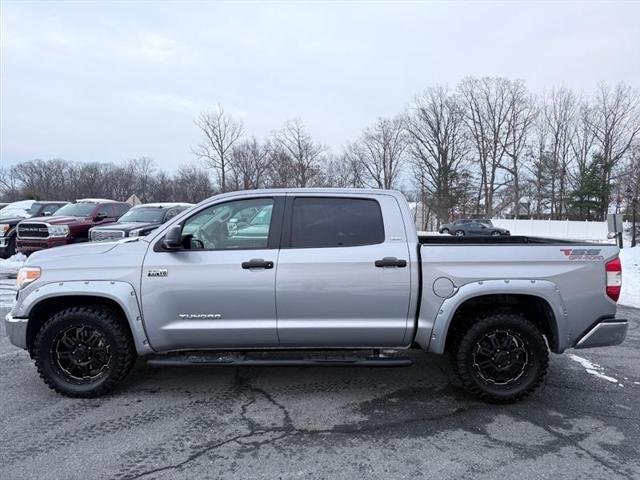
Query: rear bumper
[606,333]
[30,246]
[16,330]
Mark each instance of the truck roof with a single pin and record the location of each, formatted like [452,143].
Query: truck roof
[164,205]
[96,200]
[321,191]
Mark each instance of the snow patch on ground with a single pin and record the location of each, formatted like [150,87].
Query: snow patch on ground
[592,368]
[8,271]
[10,266]
[630,295]
[7,295]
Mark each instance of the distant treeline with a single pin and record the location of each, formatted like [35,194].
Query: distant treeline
[63,180]
[488,147]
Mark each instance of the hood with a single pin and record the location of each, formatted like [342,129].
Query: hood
[60,220]
[12,220]
[117,260]
[84,249]
[126,226]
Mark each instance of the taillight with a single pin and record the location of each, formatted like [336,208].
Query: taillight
[614,279]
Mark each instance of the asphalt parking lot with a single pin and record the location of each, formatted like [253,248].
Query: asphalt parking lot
[273,423]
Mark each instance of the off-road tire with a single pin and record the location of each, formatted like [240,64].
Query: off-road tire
[115,331]
[534,344]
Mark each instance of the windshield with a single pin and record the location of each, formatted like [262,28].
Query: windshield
[76,210]
[263,217]
[143,214]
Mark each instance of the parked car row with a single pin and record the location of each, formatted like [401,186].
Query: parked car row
[28,226]
[473,226]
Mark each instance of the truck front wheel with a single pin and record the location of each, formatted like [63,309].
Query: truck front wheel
[502,358]
[83,351]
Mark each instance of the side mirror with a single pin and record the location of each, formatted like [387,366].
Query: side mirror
[47,214]
[100,216]
[173,238]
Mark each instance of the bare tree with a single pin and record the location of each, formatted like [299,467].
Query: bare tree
[191,184]
[303,156]
[559,110]
[437,147]
[9,184]
[379,152]
[616,126]
[142,171]
[250,163]
[486,108]
[161,188]
[583,137]
[343,172]
[220,132]
[522,113]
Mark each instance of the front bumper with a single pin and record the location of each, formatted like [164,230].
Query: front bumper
[16,330]
[604,334]
[30,246]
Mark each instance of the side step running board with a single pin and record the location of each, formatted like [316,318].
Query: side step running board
[240,360]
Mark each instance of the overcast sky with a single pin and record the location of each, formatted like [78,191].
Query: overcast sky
[108,81]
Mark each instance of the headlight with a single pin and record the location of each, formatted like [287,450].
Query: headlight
[4,228]
[135,233]
[26,275]
[58,230]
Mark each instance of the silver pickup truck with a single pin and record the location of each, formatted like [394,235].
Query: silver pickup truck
[313,277]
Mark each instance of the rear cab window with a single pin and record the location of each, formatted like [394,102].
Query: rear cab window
[324,222]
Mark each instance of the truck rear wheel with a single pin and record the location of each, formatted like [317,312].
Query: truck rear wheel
[83,351]
[502,358]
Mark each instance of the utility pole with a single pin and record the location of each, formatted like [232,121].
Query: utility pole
[634,204]
[632,198]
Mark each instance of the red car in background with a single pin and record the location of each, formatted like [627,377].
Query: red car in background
[69,225]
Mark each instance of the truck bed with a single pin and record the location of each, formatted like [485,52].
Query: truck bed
[491,240]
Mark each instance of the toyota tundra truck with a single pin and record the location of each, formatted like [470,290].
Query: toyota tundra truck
[325,277]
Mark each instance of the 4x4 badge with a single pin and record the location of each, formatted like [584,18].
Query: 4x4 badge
[162,272]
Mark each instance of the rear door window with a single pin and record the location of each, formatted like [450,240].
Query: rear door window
[335,222]
[106,210]
[52,208]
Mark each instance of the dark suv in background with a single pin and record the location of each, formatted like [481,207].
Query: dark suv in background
[11,217]
[69,225]
[138,221]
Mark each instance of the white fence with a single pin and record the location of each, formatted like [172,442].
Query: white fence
[568,229]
